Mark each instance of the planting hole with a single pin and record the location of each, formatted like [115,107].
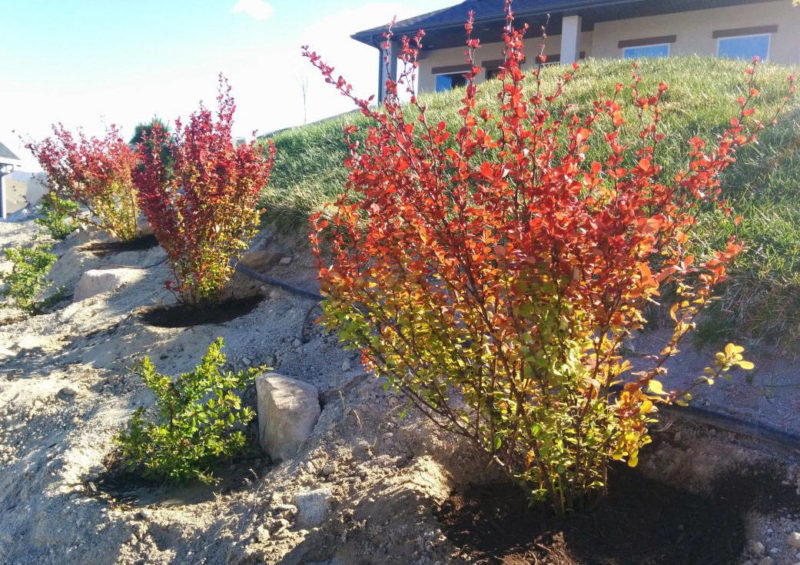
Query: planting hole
[121,486]
[641,521]
[106,248]
[184,316]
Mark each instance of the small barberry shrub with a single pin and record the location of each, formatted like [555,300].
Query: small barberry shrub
[491,272]
[26,279]
[200,416]
[56,215]
[200,194]
[95,173]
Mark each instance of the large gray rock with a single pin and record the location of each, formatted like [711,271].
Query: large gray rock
[288,409]
[98,281]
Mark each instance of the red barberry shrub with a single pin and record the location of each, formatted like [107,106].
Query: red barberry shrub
[200,194]
[492,272]
[94,172]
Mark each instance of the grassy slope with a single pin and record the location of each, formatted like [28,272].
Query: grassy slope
[763,294]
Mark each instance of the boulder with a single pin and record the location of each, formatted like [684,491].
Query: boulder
[97,281]
[312,507]
[288,409]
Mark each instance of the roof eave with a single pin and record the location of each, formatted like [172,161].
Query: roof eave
[373,36]
[7,161]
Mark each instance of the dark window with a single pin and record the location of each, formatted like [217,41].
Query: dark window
[449,82]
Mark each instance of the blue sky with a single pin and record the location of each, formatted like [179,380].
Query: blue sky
[88,63]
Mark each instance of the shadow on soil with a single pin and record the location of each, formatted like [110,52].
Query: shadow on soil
[642,522]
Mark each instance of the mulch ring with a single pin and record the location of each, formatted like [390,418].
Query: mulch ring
[106,248]
[642,522]
[183,315]
[120,486]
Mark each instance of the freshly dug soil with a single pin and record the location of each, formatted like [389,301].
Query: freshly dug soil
[184,316]
[106,248]
[642,522]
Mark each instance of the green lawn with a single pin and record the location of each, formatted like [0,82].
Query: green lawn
[761,299]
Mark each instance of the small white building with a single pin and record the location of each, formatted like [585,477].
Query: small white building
[598,28]
[8,162]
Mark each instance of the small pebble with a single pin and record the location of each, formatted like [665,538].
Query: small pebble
[767,561]
[281,525]
[756,548]
[793,540]
[67,393]
[262,534]
[285,260]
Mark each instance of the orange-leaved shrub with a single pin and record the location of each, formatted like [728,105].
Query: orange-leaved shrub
[200,194]
[94,172]
[492,272]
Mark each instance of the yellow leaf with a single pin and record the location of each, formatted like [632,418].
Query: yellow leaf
[633,460]
[655,387]
[732,349]
[746,365]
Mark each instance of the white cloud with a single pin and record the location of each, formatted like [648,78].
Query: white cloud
[266,77]
[256,9]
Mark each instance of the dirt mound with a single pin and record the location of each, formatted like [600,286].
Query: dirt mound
[66,388]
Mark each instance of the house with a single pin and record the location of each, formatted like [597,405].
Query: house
[597,28]
[8,161]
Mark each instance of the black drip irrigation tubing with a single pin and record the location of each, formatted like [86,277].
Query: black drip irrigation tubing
[280,284]
[755,429]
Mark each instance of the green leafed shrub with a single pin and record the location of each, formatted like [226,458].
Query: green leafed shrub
[199,421]
[26,279]
[56,215]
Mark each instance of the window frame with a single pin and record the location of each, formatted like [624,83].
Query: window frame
[746,35]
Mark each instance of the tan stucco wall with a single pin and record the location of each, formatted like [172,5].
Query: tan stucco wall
[693,29]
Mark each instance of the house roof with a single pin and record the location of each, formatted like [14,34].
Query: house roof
[7,157]
[445,27]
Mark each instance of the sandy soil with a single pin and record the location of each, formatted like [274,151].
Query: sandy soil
[66,389]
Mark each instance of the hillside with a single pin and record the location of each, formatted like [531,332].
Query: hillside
[762,297]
